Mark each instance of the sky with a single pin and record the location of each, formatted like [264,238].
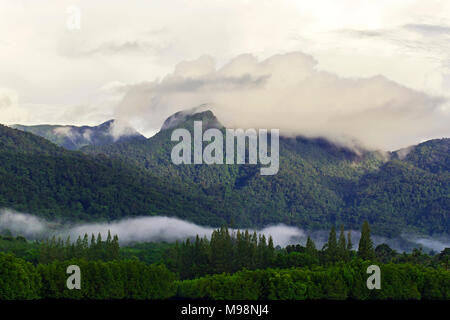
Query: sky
[372,73]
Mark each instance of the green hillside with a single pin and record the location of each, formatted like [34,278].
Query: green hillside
[318,184]
[41,178]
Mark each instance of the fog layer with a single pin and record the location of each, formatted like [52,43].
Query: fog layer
[151,229]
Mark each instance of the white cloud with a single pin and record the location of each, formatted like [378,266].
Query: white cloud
[58,75]
[289,92]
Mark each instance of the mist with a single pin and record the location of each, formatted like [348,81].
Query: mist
[160,228]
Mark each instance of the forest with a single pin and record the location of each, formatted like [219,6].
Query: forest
[228,265]
[318,184]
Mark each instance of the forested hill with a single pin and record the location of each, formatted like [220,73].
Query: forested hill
[432,155]
[73,137]
[318,185]
[38,177]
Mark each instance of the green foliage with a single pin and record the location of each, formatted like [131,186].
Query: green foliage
[20,247]
[318,185]
[127,279]
[248,267]
[39,177]
[18,279]
[57,249]
[365,248]
[147,252]
[225,252]
[331,247]
[340,282]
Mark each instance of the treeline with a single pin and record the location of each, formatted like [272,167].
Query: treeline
[132,279]
[340,281]
[95,249]
[229,265]
[225,252]
[233,251]
[126,279]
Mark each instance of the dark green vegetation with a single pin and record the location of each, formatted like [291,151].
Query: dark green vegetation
[73,137]
[337,282]
[318,185]
[229,266]
[39,177]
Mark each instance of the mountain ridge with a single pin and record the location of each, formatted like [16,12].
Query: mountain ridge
[75,137]
[318,185]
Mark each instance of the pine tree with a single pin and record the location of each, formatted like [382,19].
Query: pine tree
[349,241]
[221,254]
[68,252]
[92,248]
[342,248]
[254,250]
[262,252]
[78,251]
[99,248]
[271,251]
[331,246]
[115,248]
[85,246]
[107,247]
[365,248]
[310,247]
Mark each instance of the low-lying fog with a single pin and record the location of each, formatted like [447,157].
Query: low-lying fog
[146,229]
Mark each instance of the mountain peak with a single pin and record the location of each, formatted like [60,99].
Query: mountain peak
[76,137]
[187,117]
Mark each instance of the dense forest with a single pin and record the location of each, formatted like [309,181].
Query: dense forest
[318,185]
[228,265]
[39,177]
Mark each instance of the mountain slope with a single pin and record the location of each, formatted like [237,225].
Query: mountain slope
[38,177]
[73,137]
[432,155]
[318,184]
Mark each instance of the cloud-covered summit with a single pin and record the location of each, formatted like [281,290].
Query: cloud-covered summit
[289,92]
[74,137]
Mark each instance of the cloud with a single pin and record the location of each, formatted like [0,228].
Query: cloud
[145,229]
[10,110]
[64,131]
[429,29]
[142,229]
[153,229]
[114,48]
[61,71]
[22,224]
[290,93]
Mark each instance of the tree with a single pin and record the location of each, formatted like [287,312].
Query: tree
[365,248]
[310,247]
[221,250]
[331,246]
[342,246]
[349,241]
